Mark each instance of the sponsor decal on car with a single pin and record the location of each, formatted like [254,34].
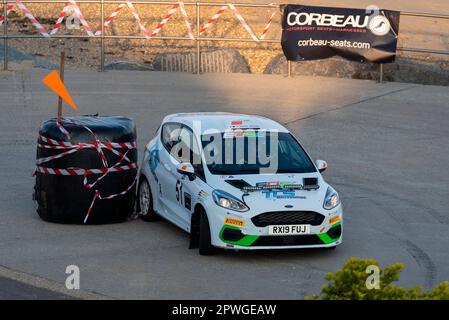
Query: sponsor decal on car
[281,194]
[243,133]
[234,222]
[280,184]
[334,219]
[202,195]
[154,160]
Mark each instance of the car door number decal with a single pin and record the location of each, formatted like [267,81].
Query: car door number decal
[179,191]
[183,198]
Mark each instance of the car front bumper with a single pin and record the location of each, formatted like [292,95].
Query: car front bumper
[237,231]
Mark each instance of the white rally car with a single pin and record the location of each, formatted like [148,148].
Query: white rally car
[237,181]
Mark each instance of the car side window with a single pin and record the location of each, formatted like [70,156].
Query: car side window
[170,135]
[184,148]
[187,150]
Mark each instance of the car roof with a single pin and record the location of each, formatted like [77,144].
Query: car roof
[202,121]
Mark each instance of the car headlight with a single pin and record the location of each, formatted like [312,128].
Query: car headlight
[331,200]
[228,201]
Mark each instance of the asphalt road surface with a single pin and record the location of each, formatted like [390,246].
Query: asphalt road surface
[16,290]
[386,144]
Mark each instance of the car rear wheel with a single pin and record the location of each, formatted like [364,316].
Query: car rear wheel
[205,245]
[146,201]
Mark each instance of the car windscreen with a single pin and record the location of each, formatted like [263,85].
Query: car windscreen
[254,152]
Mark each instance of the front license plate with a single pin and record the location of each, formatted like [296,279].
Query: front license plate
[289,229]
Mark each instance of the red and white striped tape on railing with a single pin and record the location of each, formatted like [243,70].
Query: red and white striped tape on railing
[60,19]
[267,26]
[27,13]
[71,4]
[9,8]
[213,18]
[239,17]
[186,20]
[243,22]
[109,19]
[123,164]
[163,22]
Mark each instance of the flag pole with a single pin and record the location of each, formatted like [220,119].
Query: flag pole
[61,75]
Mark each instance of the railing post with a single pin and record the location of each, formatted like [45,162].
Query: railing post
[198,49]
[102,38]
[5,35]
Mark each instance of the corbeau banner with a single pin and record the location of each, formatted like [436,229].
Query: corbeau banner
[310,33]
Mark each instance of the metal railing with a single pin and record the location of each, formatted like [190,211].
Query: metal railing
[197,39]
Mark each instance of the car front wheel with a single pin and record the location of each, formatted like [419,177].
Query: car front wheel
[205,245]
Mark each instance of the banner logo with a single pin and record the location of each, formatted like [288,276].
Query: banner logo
[326,20]
[379,25]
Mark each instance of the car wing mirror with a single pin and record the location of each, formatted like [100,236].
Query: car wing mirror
[321,165]
[186,169]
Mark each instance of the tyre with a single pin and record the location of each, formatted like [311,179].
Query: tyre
[146,201]
[205,245]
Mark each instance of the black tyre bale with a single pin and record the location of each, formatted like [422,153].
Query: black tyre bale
[64,199]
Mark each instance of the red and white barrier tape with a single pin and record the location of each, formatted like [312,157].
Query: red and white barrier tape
[72,147]
[164,20]
[240,18]
[71,4]
[98,195]
[9,7]
[213,19]
[82,172]
[27,13]
[60,18]
[109,19]
[186,20]
[243,22]
[267,26]
[171,12]
[81,18]
[136,16]
[63,130]
[56,144]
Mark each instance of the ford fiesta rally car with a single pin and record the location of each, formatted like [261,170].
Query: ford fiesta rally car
[237,181]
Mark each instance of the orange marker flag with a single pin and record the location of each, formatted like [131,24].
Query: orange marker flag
[53,81]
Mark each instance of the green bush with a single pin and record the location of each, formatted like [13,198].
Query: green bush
[349,283]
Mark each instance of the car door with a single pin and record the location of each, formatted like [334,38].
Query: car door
[186,151]
[168,176]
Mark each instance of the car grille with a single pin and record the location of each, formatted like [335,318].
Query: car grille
[288,217]
[303,240]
